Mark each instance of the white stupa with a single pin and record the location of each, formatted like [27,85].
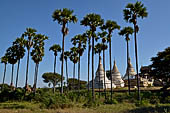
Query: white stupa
[100,77]
[132,72]
[116,76]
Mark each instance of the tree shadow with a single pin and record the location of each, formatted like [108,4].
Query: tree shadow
[156,109]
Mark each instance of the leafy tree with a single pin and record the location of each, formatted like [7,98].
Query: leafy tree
[93,21]
[110,26]
[131,13]
[37,54]
[29,34]
[74,58]
[76,81]
[64,17]
[11,54]
[88,35]
[102,35]
[126,31]
[53,78]
[4,60]
[55,48]
[80,41]
[160,67]
[20,44]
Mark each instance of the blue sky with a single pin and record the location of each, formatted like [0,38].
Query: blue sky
[17,15]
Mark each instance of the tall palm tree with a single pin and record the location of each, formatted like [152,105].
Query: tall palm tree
[4,60]
[74,58]
[88,35]
[104,47]
[98,50]
[63,17]
[20,44]
[80,41]
[37,54]
[29,34]
[126,31]
[55,48]
[11,54]
[131,13]
[110,26]
[93,21]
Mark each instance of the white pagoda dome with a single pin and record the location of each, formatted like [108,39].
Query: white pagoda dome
[116,76]
[100,77]
[132,72]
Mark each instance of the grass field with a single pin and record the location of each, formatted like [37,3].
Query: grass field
[32,107]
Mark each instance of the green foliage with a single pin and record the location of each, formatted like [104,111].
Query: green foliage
[53,78]
[132,11]
[160,67]
[73,83]
[55,48]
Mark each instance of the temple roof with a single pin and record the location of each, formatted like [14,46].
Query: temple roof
[100,66]
[115,69]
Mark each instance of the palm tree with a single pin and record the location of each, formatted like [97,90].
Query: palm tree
[63,17]
[80,41]
[30,33]
[74,58]
[104,47]
[93,21]
[55,48]
[37,54]
[4,60]
[126,31]
[11,54]
[110,26]
[98,49]
[131,13]
[88,35]
[20,44]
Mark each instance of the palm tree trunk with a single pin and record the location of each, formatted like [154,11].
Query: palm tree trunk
[67,75]
[89,65]
[74,69]
[99,78]
[62,65]
[26,81]
[93,92]
[54,63]
[54,87]
[128,66]
[104,72]
[79,74]
[36,78]
[17,73]
[4,77]
[12,75]
[110,64]
[136,55]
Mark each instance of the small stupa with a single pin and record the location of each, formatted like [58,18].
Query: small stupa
[132,72]
[116,76]
[100,77]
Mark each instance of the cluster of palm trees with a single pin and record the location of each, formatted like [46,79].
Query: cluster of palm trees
[34,43]
[94,22]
